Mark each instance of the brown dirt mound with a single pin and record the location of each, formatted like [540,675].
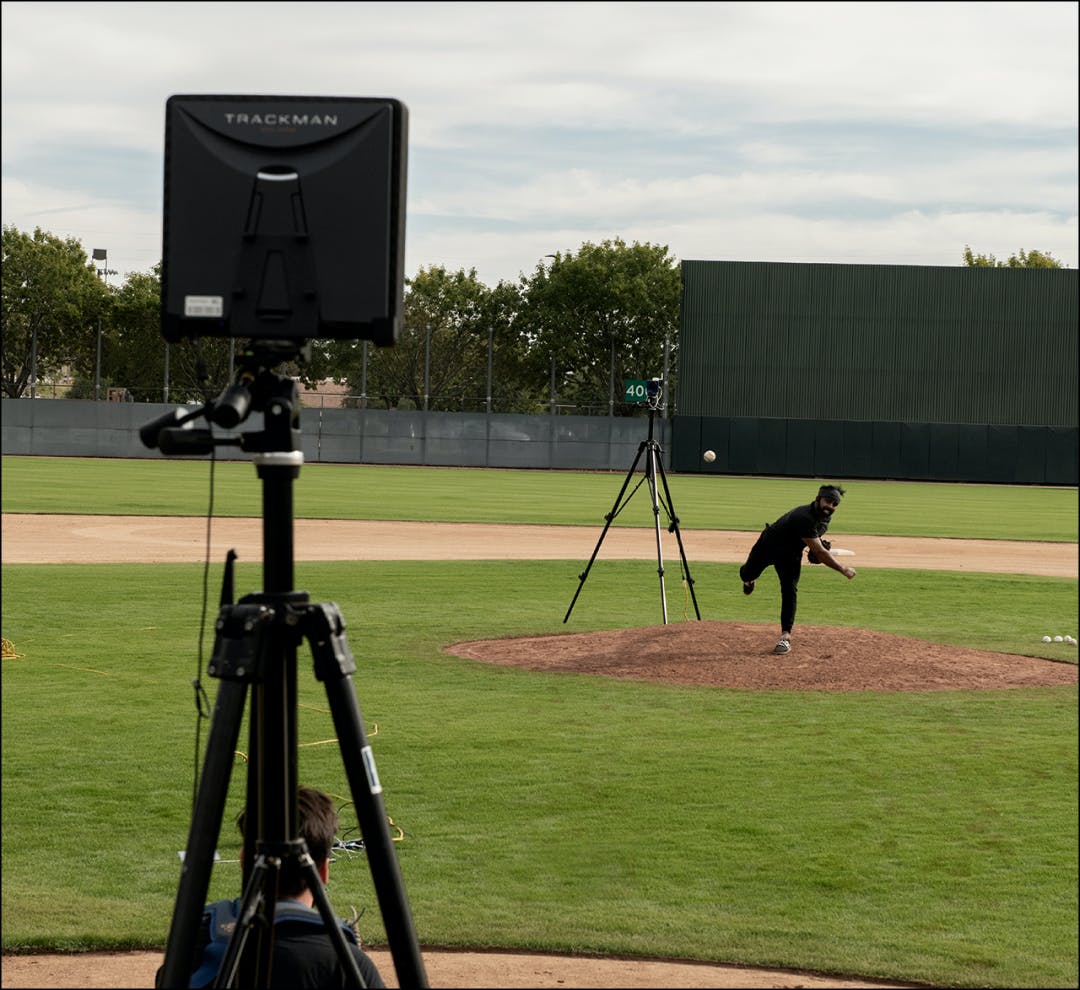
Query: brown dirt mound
[739,655]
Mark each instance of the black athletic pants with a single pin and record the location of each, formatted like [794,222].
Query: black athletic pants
[788,568]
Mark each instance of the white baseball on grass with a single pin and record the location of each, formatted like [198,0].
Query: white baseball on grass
[1058,639]
[1046,639]
[710,456]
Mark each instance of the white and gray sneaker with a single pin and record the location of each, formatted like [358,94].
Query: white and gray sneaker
[783,645]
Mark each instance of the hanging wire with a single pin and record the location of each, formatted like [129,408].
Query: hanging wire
[202,701]
[351,841]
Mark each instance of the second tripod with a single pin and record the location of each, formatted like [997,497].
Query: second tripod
[653,453]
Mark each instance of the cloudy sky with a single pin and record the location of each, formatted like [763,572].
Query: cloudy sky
[885,133]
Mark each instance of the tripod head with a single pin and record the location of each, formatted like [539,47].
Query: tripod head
[256,389]
[654,394]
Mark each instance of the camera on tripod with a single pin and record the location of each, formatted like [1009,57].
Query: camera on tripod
[284,222]
[654,393]
[651,391]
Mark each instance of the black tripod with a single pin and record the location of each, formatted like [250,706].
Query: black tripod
[256,645]
[654,464]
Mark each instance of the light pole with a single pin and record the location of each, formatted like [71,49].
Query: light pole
[102,255]
[554,257]
[427,367]
[611,380]
[363,374]
[491,350]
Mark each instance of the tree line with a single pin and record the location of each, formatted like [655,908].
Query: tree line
[570,333]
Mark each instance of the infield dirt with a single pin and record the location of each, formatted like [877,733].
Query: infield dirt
[29,539]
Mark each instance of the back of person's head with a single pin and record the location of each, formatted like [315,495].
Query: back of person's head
[317,823]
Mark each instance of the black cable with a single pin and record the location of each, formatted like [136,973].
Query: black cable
[202,702]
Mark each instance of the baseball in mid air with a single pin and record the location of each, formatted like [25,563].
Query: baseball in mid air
[710,456]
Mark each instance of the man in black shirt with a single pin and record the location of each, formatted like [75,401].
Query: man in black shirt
[781,545]
[303,955]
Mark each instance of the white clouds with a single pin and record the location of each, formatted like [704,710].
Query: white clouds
[799,131]
[907,238]
[958,181]
[904,238]
[131,236]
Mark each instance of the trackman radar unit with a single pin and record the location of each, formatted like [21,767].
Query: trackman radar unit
[284,223]
[284,218]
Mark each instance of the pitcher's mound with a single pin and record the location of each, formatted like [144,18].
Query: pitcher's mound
[739,655]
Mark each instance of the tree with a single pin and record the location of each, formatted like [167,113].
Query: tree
[52,301]
[1034,259]
[442,347]
[137,354]
[441,352]
[133,352]
[603,315]
[519,383]
[199,369]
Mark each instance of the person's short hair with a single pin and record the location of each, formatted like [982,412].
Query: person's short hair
[317,823]
[835,492]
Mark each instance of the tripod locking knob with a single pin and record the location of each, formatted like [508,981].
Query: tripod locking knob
[236,647]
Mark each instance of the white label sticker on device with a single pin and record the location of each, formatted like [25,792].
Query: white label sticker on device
[372,773]
[208,306]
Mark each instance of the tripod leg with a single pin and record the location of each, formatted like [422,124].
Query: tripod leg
[674,528]
[270,812]
[334,666]
[261,884]
[330,921]
[651,473]
[203,837]
[615,510]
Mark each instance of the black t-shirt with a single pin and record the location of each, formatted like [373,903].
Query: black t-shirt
[305,959]
[787,534]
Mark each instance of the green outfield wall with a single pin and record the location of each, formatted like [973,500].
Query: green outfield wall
[881,371]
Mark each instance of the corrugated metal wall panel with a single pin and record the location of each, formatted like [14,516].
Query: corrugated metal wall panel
[879,342]
[836,449]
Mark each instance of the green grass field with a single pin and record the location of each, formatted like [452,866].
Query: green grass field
[364,491]
[926,837]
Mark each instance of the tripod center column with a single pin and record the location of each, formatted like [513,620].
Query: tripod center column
[278,470]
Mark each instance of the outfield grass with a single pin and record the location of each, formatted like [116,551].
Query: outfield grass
[921,837]
[574,498]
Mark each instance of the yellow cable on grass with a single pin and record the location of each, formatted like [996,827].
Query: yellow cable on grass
[9,651]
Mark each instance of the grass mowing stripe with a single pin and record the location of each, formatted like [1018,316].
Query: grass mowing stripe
[350,491]
[925,836]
